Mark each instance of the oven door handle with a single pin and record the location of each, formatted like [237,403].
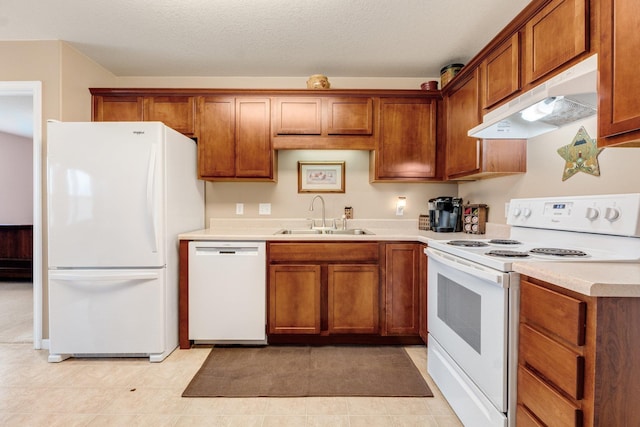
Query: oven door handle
[493,276]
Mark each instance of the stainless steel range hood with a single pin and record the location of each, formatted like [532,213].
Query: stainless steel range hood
[565,98]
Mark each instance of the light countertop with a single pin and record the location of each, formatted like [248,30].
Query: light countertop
[259,229]
[601,279]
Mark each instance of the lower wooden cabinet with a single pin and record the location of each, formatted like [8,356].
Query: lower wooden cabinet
[578,361]
[294,299]
[346,289]
[353,299]
[402,288]
[323,288]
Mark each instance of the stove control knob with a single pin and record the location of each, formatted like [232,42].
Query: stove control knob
[526,212]
[612,214]
[592,214]
[516,212]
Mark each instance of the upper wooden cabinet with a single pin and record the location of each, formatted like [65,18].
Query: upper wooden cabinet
[463,113]
[470,158]
[118,108]
[406,147]
[323,122]
[177,112]
[554,36]
[500,72]
[234,138]
[619,86]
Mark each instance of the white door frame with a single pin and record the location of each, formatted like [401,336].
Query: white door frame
[34,89]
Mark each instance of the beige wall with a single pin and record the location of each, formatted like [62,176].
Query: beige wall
[618,173]
[367,200]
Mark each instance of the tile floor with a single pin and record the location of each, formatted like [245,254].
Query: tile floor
[134,392]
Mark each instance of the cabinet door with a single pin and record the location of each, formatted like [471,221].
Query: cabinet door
[118,108]
[298,116]
[557,34]
[294,299]
[353,299]
[500,72]
[402,289]
[216,142]
[619,86]
[254,157]
[407,139]
[349,116]
[177,112]
[463,113]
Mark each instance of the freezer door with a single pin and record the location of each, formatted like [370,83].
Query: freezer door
[105,194]
[106,312]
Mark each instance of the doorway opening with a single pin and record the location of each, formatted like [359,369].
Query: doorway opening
[33,90]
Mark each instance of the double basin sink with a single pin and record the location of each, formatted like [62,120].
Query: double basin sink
[332,231]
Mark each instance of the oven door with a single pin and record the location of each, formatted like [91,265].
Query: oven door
[468,314]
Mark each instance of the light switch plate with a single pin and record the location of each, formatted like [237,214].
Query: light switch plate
[239,208]
[264,209]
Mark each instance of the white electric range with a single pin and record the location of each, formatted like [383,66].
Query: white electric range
[473,292]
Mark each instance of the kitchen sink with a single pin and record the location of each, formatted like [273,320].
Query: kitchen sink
[350,231]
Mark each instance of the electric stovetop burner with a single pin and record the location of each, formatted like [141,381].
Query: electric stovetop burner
[508,254]
[505,242]
[558,252]
[467,243]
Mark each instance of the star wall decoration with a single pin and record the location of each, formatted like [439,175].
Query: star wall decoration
[581,155]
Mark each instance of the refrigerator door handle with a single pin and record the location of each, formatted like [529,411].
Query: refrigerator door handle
[151,211]
[104,277]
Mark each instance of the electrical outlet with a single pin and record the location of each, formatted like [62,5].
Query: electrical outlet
[264,209]
[239,208]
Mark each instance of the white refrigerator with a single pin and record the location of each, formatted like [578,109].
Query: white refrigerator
[118,195]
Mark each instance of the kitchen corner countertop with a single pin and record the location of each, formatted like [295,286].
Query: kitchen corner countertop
[596,279]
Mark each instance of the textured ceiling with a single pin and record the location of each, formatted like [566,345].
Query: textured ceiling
[265,38]
[342,38]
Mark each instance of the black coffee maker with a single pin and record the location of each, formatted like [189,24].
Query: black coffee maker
[445,214]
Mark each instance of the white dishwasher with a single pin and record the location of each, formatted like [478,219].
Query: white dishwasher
[227,292]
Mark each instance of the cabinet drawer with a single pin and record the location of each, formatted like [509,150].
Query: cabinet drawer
[545,403]
[559,365]
[559,314]
[524,418]
[323,252]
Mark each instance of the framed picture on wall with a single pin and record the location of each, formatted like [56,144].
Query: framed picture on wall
[320,177]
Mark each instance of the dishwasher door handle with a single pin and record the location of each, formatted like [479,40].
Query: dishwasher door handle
[217,250]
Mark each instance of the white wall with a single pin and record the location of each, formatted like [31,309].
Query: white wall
[16,180]
[619,173]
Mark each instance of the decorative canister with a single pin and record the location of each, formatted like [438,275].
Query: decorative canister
[318,81]
[430,85]
[448,72]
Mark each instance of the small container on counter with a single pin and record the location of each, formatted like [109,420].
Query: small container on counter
[474,218]
[423,223]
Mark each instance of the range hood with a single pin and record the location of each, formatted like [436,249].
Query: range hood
[565,98]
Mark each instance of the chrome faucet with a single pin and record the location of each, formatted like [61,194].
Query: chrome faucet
[324,221]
